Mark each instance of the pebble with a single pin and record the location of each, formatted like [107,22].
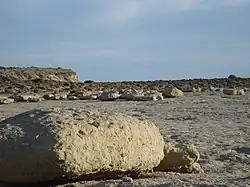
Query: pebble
[127,179]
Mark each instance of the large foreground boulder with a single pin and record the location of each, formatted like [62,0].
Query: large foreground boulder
[66,143]
[180,158]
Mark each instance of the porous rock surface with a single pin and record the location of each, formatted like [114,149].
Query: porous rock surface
[66,143]
[180,158]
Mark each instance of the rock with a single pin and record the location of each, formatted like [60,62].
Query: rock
[6,100]
[34,99]
[179,158]
[49,96]
[187,88]
[26,98]
[151,95]
[71,97]
[230,91]
[159,97]
[130,94]
[197,89]
[240,92]
[245,89]
[57,97]
[88,97]
[75,93]
[194,168]
[150,92]
[145,98]
[127,179]
[97,93]
[172,92]
[211,88]
[20,98]
[109,96]
[65,143]
[63,96]
[232,77]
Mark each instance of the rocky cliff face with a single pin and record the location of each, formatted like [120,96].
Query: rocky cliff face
[38,80]
[33,73]
[32,79]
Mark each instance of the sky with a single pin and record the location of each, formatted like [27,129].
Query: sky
[115,40]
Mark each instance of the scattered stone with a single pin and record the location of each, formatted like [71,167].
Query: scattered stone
[172,92]
[194,168]
[34,99]
[65,147]
[97,93]
[197,89]
[187,88]
[211,88]
[20,98]
[150,95]
[55,96]
[145,98]
[179,158]
[245,89]
[233,91]
[240,92]
[159,97]
[130,94]
[72,97]
[26,98]
[127,179]
[49,96]
[6,100]
[88,97]
[63,96]
[230,91]
[150,92]
[109,96]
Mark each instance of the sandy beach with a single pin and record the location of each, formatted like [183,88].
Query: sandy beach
[217,124]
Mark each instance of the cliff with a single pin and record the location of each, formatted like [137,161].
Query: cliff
[33,79]
[37,80]
[34,73]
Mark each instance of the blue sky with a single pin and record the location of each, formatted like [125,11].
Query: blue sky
[116,40]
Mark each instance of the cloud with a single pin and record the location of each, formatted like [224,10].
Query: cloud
[60,54]
[127,10]
[121,11]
